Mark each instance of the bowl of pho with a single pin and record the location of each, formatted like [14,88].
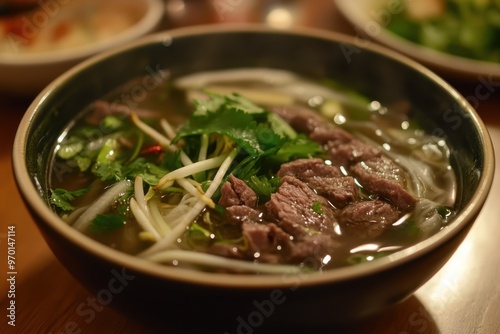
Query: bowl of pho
[244,177]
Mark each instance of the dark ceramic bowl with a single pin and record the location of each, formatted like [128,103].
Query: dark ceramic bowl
[183,298]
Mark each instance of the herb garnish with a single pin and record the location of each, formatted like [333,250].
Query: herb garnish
[107,222]
[61,197]
[316,207]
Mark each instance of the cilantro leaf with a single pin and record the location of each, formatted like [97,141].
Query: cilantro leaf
[255,130]
[267,138]
[172,161]
[240,120]
[218,101]
[111,170]
[263,186]
[149,172]
[107,222]
[299,147]
[61,197]
[249,166]
[233,123]
[280,126]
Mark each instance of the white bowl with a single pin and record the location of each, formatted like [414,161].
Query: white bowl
[27,73]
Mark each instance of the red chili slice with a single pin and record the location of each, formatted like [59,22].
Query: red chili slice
[154,149]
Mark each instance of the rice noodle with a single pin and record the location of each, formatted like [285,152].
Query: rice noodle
[202,155]
[203,79]
[156,217]
[143,220]
[70,219]
[139,196]
[188,218]
[280,81]
[161,139]
[422,179]
[173,215]
[101,204]
[156,222]
[196,258]
[431,219]
[258,96]
[167,128]
[194,168]
[193,191]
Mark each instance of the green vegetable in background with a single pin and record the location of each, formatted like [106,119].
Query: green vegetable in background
[466,28]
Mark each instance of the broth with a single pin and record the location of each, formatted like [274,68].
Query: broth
[365,179]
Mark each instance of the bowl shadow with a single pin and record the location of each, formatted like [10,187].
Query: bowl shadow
[50,281]
[407,317]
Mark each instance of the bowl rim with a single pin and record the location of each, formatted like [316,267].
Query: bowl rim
[251,281]
[153,14]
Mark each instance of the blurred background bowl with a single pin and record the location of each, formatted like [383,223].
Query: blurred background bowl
[170,297]
[39,44]
[371,18]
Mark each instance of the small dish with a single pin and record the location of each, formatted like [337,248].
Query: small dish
[370,18]
[28,60]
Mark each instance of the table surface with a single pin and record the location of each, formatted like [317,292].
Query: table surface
[463,297]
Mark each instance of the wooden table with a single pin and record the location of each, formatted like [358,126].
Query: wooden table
[462,298]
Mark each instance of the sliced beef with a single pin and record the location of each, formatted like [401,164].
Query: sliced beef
[304,169]
[330,135]
[298,234]
[226,250]
[242,213]
[292,207]
[367,219]
[237,192]
[299,223]
[301,119]
[384,177]
[311,249]
[325,180]
[342,147]
[267,243]
[377,173]
[101,109]
[348,153]
[314,125]
[340,191]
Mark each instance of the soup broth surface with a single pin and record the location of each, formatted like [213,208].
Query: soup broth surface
[313,176]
